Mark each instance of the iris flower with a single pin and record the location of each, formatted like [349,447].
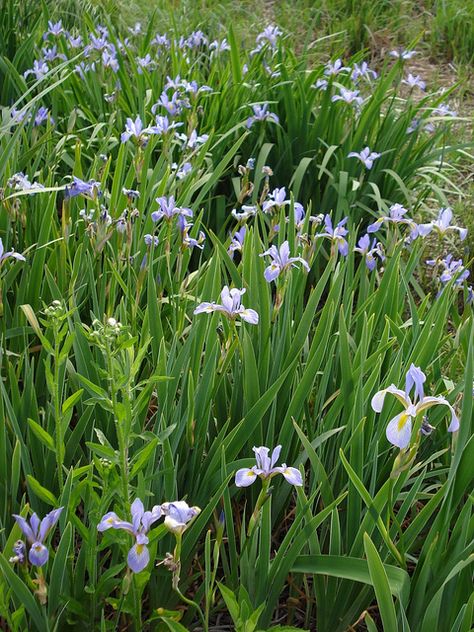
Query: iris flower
[399,429]
[266,469]
[369,251]
[261,113]
[80,187]
[11,253]
[230,306]
[442,225]
[396,215]
[36,531]
[139,555]
[281,261]
[277,198]
[178,515]
[168,209]
[366,157]
[336,235]
[237,242]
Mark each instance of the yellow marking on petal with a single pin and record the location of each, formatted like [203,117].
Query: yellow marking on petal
[139,548]
[402,421]
[250,473]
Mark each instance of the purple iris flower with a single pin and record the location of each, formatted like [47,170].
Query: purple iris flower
[163,125]
[74,41]
[336,235]
[131,194]
[230,306]
[183,171]
[404,55]
[135,129]
[261,113]
[363,71]
[348,96]
[399,429]
[186,240]
[281,261]
[40,69]
[335,67]
[452,269]
[41,116]
[396,215]
[442,225]
[172,105]
[414,81]
[50,54]
[237,242]
[321,84]
[151,240]
[168,209]
[109,60]
[266,469]
[370,251]
[178,515]
[79,187]
[11,253]
[54,28]
[36,531]
[145,63]
[194,140]
[269,35]
[139,555]
[444,110]
[19,552]
[277,198]
[366,157]
[219,46]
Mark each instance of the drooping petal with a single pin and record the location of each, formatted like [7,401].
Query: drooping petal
[250,316]
[272,272]
[205,308]
[291,474]
[379,397]
[425,229]
[138,557]
[398,430]
[429,402]
[245,477]
[38,554]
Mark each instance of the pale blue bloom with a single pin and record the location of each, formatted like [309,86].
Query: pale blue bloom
[404,55]
[335,67]
[366,157]
[348,96]
[178,515]
[230,306]
[79,187]
[40,69]
[237,242]
[399,429]
[362,71]
[281,261]
[266,469]
[442,225]
[414,81]
[396,215]
[261,113]
[370,251]
[139,555]
[36,531]
[168,209]
[336,234]
[277,199]
[247,211]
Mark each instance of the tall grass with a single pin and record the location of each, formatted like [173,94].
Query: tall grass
[114,389]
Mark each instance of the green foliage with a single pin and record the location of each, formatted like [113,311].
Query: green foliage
[113,389]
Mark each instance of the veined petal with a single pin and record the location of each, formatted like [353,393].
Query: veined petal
[379,398]
[250,316]
[138,557]
[291,474]
[205,308]
[25,527]
[428,402]
[272,272]
[398,431]
[245,477]
[38,554]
